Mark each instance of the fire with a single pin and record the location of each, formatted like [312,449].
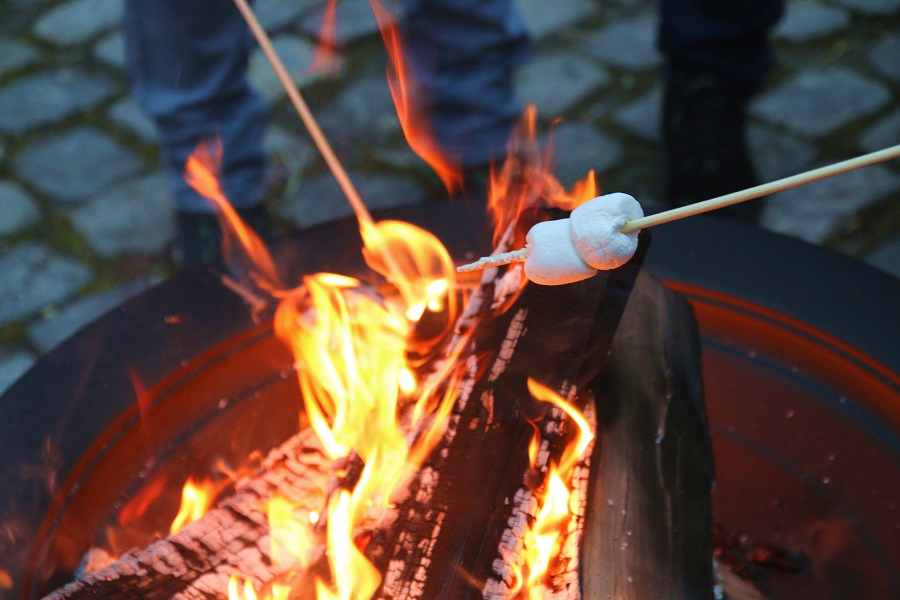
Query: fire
[526,178]
[196,498]
[137,506]
[325,60]
[360,357]
[247,592]
[240,244]
[291,531]
[408,103]
[543,541]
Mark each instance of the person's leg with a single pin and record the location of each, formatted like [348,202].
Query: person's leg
[725,40]
[463,53]
[187,64]
[717,56]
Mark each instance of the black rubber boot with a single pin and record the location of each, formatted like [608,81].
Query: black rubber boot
[201,236]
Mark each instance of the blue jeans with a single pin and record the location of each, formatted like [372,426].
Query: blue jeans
[187,63]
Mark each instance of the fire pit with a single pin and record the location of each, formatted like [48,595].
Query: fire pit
[801,385]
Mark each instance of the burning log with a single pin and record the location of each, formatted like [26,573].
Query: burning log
[456,529]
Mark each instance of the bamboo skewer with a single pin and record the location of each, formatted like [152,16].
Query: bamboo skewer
[690,210]
[763,190]
[321,142]
[394,272]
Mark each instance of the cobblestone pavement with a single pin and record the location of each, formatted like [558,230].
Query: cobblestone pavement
[85,221]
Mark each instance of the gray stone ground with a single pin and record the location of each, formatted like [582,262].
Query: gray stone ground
[85,220]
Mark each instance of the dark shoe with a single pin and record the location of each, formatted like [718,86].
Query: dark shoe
[201,236]
[705,145]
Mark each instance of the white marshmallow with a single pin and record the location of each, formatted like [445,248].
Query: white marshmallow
[552,257]
[595,230]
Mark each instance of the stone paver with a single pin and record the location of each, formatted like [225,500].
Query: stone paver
[12,366]
[557,82]
[58,165]
[50,96]
[129,115]
[872,7]
[135,217]
[296,54]
[17,209]
[46,334]
[776,155]
[111,50]
[278,14]
[883,133]
[579,147]
[887,257]
[289,149]
[819,210]
[885,57]
[637,36]
[15,54]
[33,276]
[319,200]
[362,114]
[642,117]
[77,21]
[546,18]
[816,103]
[804,22]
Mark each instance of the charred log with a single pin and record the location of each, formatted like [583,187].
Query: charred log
[648,530]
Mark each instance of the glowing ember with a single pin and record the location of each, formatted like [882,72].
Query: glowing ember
[6,582]
[544,540]
[196,498]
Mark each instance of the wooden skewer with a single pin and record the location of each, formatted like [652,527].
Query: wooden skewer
[321,142]
[394,272]
[762,190]
[708,205]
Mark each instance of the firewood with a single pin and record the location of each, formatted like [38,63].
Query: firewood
[454,530]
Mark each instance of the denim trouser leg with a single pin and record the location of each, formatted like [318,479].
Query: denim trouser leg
[187,62]
[727,39]
[463,53]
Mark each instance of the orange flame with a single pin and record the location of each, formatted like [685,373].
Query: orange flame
[196,498]
[247,592]
[408,103]
[291,531]
[137,506]
[325,59]
[239,242]
[526,179]
[543,541]
[352,347]
[140,390]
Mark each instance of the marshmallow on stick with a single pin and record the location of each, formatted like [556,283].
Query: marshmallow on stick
[569,250]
